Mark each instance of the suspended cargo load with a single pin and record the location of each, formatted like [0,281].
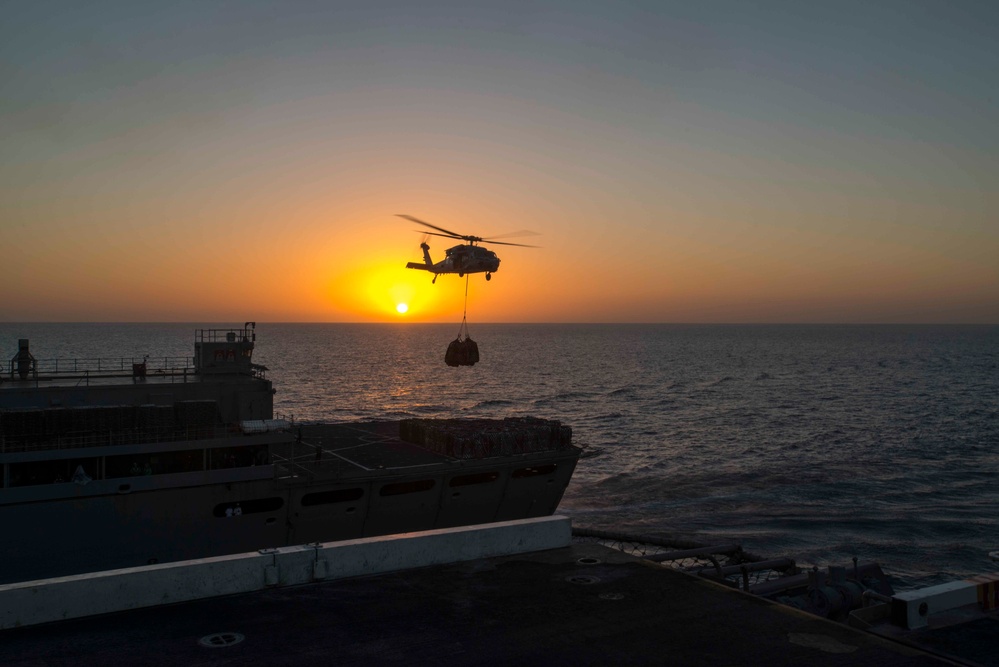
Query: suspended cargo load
[462,352]
[479,438]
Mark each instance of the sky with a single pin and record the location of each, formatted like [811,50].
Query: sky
[679,161]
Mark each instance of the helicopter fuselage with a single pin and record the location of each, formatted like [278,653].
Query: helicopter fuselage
[460,259]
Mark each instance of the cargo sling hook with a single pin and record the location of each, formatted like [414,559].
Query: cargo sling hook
[463,329]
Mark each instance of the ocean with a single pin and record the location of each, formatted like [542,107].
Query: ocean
[817,442]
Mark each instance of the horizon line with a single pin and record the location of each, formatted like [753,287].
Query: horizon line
[579,323]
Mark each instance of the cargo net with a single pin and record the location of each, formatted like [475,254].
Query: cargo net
[481,438]
[462,351]
[725,563]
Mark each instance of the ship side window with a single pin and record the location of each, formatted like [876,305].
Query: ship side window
[253,506]
[331,497]
[157,463]
[238,457]
[60,471]
[400,488]
[475,478]
[534,471]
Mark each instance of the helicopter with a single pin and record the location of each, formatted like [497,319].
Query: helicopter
[460,259]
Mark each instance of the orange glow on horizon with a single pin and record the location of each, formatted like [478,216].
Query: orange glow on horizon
[357,273]
[386,291]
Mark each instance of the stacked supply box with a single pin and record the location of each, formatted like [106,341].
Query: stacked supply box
[481,438]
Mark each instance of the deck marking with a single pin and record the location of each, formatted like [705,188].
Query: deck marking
[820,642]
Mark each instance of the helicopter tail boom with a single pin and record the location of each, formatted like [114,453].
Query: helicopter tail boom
[428,264]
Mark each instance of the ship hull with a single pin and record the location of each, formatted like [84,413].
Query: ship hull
[71,528]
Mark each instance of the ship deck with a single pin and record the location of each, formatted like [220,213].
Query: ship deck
[368,446]
[584,604]
[352,448]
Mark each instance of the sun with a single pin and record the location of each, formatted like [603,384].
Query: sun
[401,308]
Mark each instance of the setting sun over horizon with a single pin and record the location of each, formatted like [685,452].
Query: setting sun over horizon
[679,163]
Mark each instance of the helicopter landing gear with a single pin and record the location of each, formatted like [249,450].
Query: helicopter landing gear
[489,276]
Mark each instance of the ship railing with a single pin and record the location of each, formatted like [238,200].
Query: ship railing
[106,367]
[173,369]
[111,437]
[727,563]
[246,333]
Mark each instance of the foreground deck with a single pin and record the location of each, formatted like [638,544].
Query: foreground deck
[577,604]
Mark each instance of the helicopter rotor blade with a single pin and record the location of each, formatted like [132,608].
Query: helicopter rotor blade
[510,235]
[453,235]
[522,245]
[447,233]
[447,236]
